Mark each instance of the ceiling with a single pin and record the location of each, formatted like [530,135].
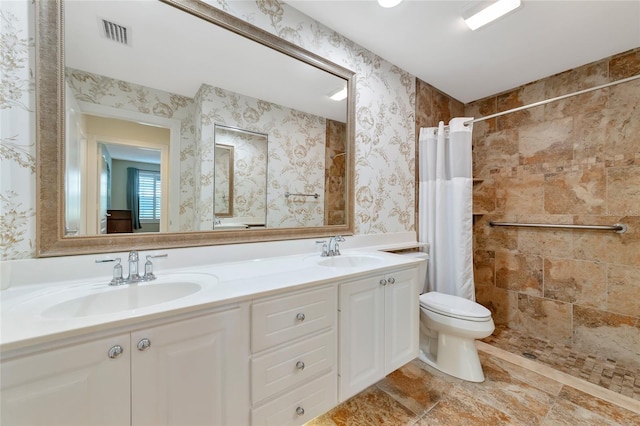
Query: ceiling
[430,40]
[176,52]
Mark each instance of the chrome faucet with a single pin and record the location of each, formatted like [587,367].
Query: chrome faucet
[134,276]
[148,267]
[333,249]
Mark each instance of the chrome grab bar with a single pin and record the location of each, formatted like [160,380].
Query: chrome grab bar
[288,194]
[618,227]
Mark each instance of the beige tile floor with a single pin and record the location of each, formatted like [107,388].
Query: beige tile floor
[516,391]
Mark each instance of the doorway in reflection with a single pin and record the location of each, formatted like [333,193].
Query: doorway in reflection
[126,176]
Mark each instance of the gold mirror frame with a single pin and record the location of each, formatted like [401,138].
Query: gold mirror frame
[50,136]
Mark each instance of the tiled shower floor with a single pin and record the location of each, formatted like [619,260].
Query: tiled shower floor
[619,377]
[558,388]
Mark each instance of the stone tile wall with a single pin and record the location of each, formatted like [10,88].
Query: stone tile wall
[571,161]
[335,174]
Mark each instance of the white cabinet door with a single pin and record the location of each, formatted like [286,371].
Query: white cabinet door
[74,385]
[402,319]
[379,328]
[361,335]
[193,372]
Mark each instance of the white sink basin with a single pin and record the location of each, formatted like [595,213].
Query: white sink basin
[103,299]
[350,261]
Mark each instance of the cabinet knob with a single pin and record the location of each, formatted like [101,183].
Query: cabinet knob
[300,317]
[144,344]
[300,411]
[391,280]
[300,365]
[383,282]
[115,351]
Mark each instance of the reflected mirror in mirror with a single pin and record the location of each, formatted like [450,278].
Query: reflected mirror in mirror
[237,84]
[223,181]
[240,170]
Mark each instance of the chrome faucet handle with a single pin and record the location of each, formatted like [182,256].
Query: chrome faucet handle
[107,260]
[325,250]
[339,239]
[334,249]
[117,270]
[148,267]
[117,273]
[148,270]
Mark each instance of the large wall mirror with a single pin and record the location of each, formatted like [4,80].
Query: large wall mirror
[193,127]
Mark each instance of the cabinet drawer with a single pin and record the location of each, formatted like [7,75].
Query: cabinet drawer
[300,405]
[278,320]
[292,365]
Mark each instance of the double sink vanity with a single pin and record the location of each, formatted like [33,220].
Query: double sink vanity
[273,341]
[217,338]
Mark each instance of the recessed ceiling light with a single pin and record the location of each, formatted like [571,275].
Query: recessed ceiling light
[339,95]
[389,3]
[488,12]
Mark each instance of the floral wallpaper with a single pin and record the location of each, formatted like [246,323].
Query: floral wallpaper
[385,114]
[17,135]
[296,150]
[250,175]
[295,157]
[385,119]
[222,194]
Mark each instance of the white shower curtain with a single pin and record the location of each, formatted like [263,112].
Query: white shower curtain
[445,207]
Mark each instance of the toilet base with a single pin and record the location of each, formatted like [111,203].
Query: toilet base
[457,357]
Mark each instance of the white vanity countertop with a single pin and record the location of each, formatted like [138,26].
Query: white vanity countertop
[23,323]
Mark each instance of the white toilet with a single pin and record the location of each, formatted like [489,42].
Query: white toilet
[449,326]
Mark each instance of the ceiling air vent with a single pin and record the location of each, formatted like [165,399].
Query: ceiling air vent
[118,33]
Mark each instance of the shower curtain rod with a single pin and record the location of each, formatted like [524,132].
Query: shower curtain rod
[547,101]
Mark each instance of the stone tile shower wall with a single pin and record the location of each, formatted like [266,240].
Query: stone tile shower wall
[571,161]
[335,174]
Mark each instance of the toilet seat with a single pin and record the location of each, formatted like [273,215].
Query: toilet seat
[454,306]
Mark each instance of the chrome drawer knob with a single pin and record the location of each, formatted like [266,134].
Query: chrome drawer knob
[144,344]
[383,282]
[300,317]
[115,351]
[300,411]
[300,365]
[391,280]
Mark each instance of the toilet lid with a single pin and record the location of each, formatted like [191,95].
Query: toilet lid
[454,306]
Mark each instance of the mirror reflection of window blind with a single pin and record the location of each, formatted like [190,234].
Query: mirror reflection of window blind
[149,193]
